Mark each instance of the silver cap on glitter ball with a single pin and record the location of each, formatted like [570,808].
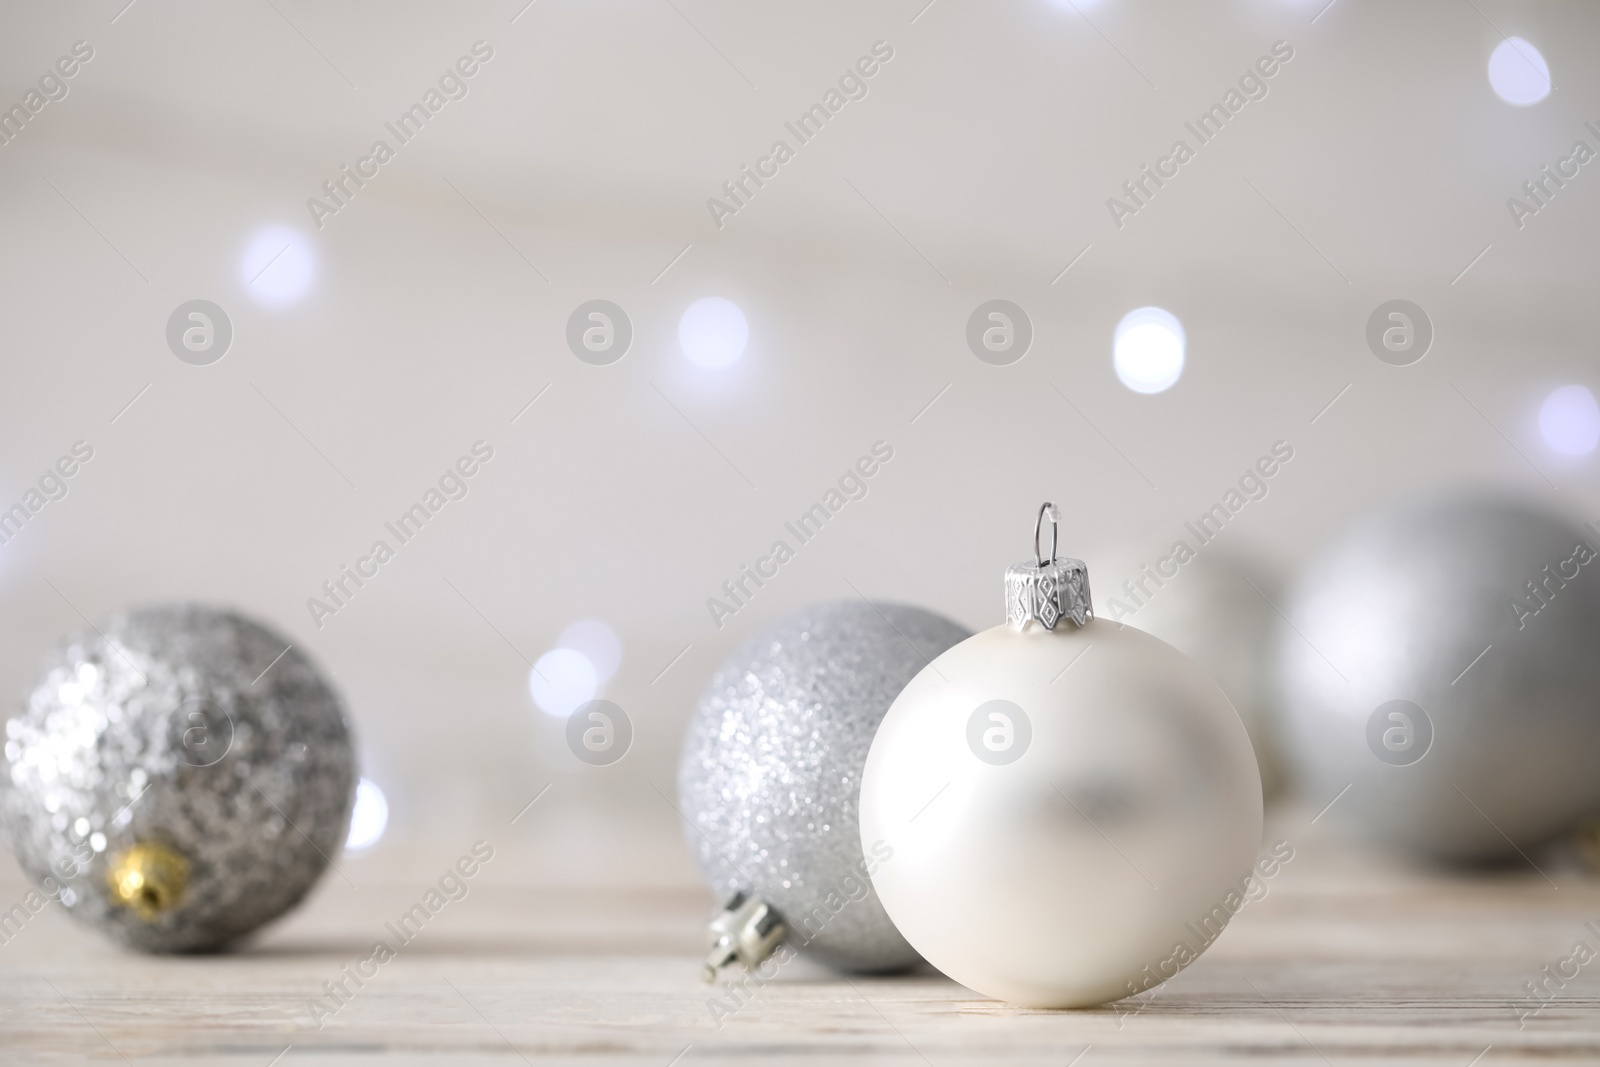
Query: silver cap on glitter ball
[747,929]
[1048,591]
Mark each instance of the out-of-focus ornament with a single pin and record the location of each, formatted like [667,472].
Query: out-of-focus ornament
[1585,840]
[769,779]
[1073,807]
[177,777]
[1215,612]
[1440,676]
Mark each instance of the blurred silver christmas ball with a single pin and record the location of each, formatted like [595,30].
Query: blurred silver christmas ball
[771,773]
[1441,663]
[1212,613]
[177,777]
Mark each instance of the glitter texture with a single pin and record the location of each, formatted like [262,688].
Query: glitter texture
[771,770]
[160,726]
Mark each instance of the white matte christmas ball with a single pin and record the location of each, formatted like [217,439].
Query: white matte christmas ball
[1073,814]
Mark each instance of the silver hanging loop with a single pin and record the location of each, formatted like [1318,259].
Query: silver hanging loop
[1048,590]
[1048,510]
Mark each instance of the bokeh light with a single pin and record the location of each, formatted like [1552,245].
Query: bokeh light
[278,266]
[1569,420]
[713,332]
[1518,73]
[598,643]
[369,818]
[563,679]
[1147,350]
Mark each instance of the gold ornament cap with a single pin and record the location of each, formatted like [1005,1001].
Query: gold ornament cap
[150,878]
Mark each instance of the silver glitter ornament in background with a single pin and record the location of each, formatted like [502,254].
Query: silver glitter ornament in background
[770,777]
[1466,723]
[177,777]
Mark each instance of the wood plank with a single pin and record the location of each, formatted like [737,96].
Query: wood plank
[1350,958]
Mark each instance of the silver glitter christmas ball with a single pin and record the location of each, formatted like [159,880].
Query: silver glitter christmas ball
[771,771]
[1441,663]
[177,777]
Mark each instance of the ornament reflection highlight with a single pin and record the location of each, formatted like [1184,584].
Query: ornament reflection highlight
[1518,73]
[278,266]
[1569,421]
[1148,350]
[563,679]
[369,818]
[713,332]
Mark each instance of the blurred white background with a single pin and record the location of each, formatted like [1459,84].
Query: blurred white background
[372,352]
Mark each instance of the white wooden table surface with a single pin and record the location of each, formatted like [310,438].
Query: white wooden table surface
[1350,958]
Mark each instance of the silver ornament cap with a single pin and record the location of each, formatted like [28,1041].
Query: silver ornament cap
[1047,591]
[747,930]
